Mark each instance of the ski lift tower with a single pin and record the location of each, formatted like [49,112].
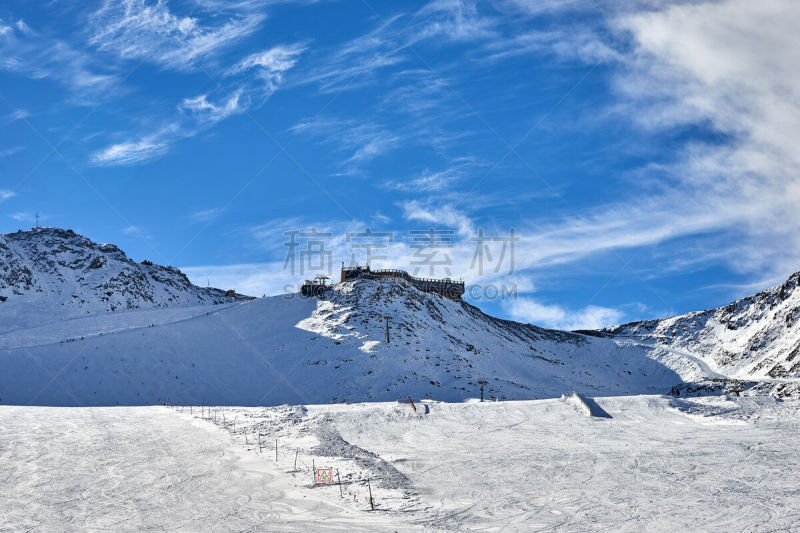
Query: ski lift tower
[322,281]
[482,382]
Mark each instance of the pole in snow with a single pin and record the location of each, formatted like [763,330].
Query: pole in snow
[386,336]
[482,382]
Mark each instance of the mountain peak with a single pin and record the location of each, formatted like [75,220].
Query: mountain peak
[46,272]
[755,337]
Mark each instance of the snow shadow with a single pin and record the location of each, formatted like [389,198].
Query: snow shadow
[595,409]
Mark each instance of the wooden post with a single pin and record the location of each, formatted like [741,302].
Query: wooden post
[371,501]
[412,404]
[245,437]
[259,442]
[340,483]
[295,458]
[276,450]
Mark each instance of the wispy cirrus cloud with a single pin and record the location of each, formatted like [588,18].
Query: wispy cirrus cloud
[136,29]
[131,152]
[14,116]
[359,141]
[358,62]
[247,5]
[22,216]
[580,43]
[725,67]
[248,84]
[5,194]
[205,215]
[36,55]
[210,112]
[272,62]
[11,151]
[429,181]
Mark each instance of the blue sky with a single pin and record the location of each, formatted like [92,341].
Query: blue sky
[643,155]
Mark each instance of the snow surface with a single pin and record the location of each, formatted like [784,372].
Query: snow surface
[753,339]
[52,274]
[659,463]
[82,324]
[288,349]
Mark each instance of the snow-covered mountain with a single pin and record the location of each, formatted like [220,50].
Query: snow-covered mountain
[82,324]
[755,339]
[49,273]
[284,349]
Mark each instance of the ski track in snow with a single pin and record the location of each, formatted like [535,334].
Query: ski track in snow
[133,469]
[658,463]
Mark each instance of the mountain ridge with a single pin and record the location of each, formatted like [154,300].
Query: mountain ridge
[753,339]
[121,332]
[53,271]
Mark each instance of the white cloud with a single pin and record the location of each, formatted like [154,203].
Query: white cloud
[358,62]
[14,116]
[274,61]
[136,29]
[435,181]
[11,151]
[456,20]
[254,279]
[130,152]
[361,141]
[575,43]
[22,216]
[201,112]
[206,111]
[380,218]
[24,28]
[204,215]
[437,214]
[246,5]
[39,56]
[5,194]
[133,230]
[558,317]
[730,66]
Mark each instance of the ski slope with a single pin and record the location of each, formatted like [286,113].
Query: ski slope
[288,349]
[662,464]
[136,469]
